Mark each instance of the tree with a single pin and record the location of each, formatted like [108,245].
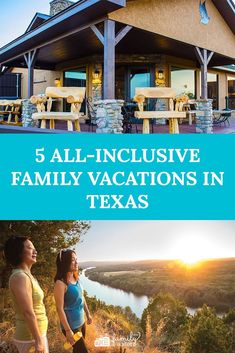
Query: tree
[193,297]
[207,333]
[229,319]
[168,317]
[49,237]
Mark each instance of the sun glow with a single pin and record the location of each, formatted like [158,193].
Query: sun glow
[192,249]
[189,260]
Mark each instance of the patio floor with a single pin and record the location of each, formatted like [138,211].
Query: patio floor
[185,128]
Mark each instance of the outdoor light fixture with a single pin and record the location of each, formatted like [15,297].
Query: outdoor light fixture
[96,77]
[96,74]
[57,82]
[160,75]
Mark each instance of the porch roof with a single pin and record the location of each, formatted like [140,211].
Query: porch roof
[139,41]
[62,25]
[85,43]
[227,10]
[58,46]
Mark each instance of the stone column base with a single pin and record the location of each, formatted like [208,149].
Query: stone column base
[109,118]
[27,111]
[204,122]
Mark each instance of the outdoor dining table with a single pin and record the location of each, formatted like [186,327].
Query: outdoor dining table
[221,116]
[220,111]
[11,109]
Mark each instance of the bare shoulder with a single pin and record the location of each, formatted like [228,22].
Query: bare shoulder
[60,284]
[19,280]
[19,277]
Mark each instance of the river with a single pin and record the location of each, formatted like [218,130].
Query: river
[113,296]
[118,297]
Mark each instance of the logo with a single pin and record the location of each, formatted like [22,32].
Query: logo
[123,341]
[102,342]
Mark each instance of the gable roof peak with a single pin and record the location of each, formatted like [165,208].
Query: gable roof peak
[37,20]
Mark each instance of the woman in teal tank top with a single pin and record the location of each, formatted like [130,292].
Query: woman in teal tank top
[70,302]
[27,295]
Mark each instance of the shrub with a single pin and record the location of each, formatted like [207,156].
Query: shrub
[207,333]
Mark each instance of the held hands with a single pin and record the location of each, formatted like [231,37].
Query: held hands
[39,347]
[69,337]
[89,319]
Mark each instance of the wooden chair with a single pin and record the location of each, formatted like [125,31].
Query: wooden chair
[158,92]
[74,96]
[11,109]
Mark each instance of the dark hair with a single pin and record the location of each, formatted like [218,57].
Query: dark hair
[13,250]
[63,263]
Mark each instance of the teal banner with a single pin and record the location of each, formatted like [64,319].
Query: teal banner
[92,177]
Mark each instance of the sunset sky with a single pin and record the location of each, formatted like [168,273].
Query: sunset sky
[140,240]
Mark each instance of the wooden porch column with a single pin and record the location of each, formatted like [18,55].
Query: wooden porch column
[204,56]
[30,59]
[109,41]
[109,60]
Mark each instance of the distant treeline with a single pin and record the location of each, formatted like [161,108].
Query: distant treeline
[209,282]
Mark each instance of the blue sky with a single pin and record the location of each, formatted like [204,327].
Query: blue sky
[141,240]
[16,15]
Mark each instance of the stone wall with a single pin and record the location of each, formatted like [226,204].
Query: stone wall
[27,110]
[109,118]
[204,120]
[57,6]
